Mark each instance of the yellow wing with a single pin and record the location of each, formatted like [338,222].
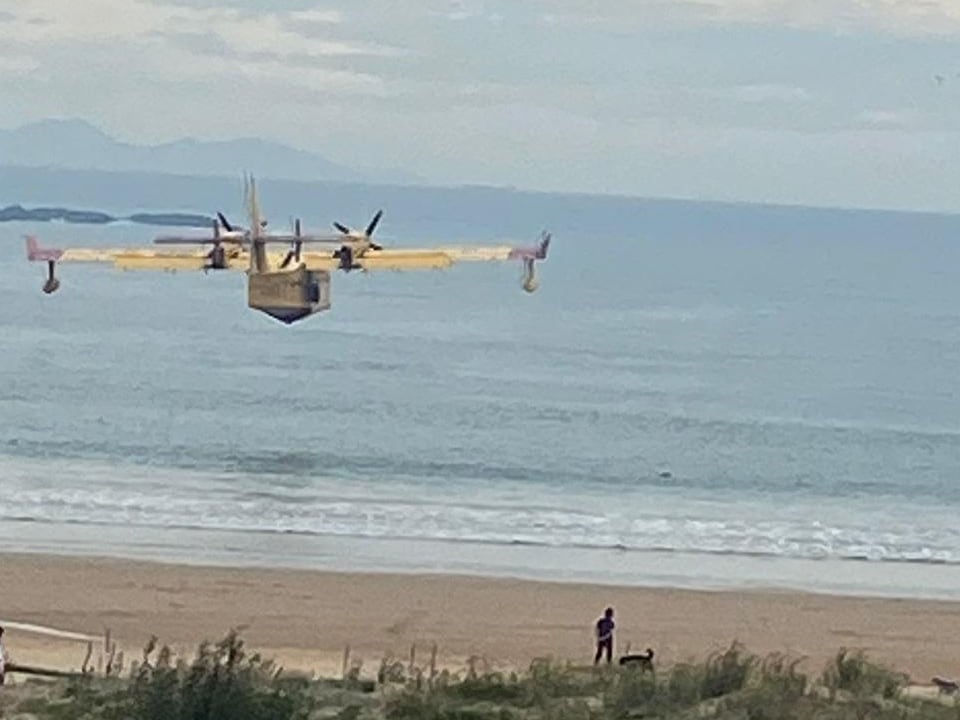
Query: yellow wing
[187,258]
[175,258]
[372,260]
[171,260]
[236,257]
[239,259]
[407,258]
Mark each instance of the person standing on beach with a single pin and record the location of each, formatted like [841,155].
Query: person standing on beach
[605,627]
[3,658]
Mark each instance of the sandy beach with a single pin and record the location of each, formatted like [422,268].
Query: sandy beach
[305,619]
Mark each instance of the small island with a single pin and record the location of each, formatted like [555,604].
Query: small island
[18,213]
[176,219]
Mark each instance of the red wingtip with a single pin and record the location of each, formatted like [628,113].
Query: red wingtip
[539,252]
[544,246]
[32,247]
[36,253]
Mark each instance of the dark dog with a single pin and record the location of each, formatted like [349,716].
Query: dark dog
[642,660]
[945,686]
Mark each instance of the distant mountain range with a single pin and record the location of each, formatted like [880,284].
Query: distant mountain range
[78,145]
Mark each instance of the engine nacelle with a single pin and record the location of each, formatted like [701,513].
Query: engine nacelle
[218,257]
[345,255]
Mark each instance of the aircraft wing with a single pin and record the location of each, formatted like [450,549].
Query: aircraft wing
[305,239]
[381,260]
[498,253]
[133,258]
[421,258]
[238,258]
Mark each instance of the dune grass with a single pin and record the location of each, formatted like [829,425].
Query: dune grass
[225,682]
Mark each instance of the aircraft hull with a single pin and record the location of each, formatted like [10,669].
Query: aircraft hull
[289,295]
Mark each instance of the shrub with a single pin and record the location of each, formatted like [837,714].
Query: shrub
[221,682]
[726,672]
[853,673]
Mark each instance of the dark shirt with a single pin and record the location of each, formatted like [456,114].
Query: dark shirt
[604,628]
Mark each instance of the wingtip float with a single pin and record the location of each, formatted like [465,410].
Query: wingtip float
[286,285]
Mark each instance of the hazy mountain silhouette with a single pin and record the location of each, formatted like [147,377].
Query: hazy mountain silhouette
[76,144]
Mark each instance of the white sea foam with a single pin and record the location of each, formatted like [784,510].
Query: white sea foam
[656,520]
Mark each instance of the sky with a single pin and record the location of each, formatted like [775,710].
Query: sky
[824,102]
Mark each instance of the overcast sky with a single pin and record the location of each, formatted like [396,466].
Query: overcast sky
[800,101]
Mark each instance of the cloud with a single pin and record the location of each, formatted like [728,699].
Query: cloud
[461,10]
[316,15]
[18,64]
[47,22]
[898,17]
[888,119]
[131,43]
[647,96]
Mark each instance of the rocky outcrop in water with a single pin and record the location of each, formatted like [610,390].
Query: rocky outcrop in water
[18,213]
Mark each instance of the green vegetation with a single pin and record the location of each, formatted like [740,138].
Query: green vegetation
[224,682]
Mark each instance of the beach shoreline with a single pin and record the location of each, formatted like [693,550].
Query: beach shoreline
[523,561]
[305,619]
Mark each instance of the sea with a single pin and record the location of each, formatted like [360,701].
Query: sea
[699,396]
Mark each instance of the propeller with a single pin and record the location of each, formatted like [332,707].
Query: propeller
[223,231]
[366,234]
[236,233]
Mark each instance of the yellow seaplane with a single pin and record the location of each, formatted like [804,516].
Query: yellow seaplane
[292,284]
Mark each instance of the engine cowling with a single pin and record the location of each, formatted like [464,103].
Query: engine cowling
[345,256]
[218,257]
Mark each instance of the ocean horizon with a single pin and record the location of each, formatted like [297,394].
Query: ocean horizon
[698,396]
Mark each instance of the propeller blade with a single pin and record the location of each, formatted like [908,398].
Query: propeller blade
[226,223]
[342,228]
[374,246]
[296,227]
[373,223]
